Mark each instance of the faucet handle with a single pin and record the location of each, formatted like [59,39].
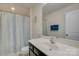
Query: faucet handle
[51,40]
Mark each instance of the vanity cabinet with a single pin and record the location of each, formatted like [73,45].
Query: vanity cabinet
[34,51]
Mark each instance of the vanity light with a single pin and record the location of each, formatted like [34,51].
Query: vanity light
[12,8]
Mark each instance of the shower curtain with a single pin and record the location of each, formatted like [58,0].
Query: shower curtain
[14,32]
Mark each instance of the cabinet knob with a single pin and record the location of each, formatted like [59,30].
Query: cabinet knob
[66,34]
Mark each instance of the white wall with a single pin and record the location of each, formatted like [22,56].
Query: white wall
[36,27]
[58,18]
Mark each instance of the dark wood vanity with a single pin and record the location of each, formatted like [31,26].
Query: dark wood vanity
[34,51]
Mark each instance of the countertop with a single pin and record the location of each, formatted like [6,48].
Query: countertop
[56,49]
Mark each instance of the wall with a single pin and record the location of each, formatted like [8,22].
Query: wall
[44,27]
[58,18]
[36,25]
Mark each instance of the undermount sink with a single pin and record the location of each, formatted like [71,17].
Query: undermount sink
[51,45]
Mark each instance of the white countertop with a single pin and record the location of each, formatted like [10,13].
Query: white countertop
[56,49]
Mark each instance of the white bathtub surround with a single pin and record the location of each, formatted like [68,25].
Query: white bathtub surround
[56,49]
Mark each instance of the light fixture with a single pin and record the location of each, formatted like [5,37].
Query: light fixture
[12,8]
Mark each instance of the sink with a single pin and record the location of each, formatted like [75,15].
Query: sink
[51,45]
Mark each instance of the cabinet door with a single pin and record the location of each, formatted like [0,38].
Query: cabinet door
[31,53]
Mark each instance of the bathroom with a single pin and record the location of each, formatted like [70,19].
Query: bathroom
[38,29]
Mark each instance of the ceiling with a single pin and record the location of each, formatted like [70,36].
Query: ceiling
[24,5]
[47,8]
[20,8]
[51,7]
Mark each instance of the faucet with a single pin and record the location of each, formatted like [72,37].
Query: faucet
[51,40]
